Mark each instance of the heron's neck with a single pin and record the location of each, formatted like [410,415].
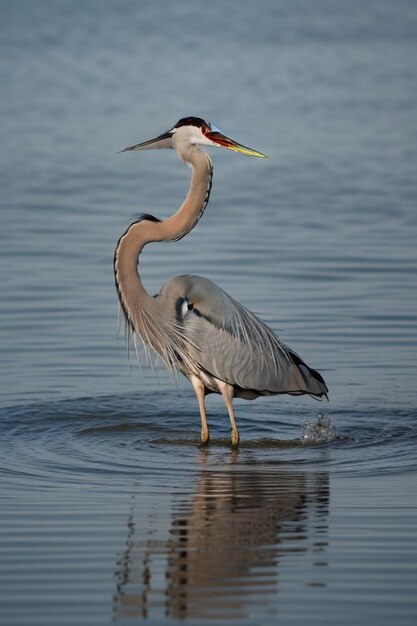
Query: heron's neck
[129,286]
[196,200]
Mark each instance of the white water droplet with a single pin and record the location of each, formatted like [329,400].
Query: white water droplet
[318,431]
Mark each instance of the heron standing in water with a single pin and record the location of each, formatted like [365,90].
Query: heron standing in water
[192,324]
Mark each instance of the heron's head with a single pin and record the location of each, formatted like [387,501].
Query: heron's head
[190,131]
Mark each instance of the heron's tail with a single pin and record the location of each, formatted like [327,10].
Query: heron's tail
[313,381]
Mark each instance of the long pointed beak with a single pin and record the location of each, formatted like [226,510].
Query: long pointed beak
[162,141]
[225,142]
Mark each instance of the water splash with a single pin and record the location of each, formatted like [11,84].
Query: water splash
[318,431]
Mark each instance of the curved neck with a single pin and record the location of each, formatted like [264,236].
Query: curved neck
[196,200]
[132,294]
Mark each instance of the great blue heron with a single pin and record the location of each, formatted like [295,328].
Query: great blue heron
[192,324]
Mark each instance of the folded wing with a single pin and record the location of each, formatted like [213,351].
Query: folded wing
[233,344]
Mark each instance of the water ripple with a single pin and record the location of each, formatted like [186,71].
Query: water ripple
[111,440]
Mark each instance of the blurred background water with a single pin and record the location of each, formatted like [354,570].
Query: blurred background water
[110,511]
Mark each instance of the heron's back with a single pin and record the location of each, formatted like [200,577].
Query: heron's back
[232,344]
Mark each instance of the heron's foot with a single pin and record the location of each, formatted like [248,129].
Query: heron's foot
[234,437]
[204,436]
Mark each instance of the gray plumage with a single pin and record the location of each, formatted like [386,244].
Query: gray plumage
[230,343]
[192,324]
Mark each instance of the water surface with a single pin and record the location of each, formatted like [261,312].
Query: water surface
[111,512]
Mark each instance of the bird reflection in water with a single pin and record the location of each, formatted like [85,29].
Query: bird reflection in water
[227,546]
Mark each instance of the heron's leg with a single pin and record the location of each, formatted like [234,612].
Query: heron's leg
[198,387]
[227,393]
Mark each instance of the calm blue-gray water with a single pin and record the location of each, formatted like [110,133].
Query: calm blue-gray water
[110,511]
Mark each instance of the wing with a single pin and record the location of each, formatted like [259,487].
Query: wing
[232,344]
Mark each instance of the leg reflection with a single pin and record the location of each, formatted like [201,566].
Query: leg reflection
[227,545]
